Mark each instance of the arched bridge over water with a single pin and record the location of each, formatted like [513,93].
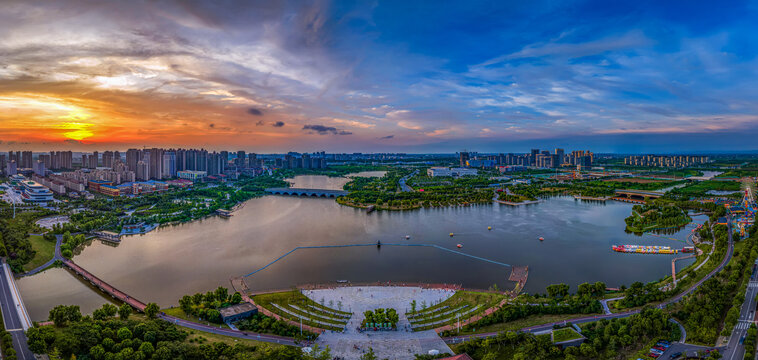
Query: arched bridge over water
[325,193]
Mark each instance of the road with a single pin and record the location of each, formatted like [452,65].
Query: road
[403,186]
[11,317]
[228,332]
[543,327]
[735,350]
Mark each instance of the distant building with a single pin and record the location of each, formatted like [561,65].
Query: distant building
[10,168]
[463,158]
[39,168]
[192,175]
[237,312]
[476,163]
[511,168]
[443,171]
[34,192]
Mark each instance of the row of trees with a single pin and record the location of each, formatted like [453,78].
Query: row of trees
[260,323]
[646,217]
[380,316]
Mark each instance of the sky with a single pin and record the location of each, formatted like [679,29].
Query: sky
[380,76]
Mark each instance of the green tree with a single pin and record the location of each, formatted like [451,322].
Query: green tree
[124,333]
[369,355]
[151,310]
[124,311]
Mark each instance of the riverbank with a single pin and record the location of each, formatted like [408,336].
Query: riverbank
[526,202]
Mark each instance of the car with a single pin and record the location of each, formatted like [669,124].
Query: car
[659,352]
[654,355]
[675,355]
[661,348]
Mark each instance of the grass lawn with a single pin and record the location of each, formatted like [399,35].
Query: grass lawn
[201,337]
[522,323]
[315,311]
[178,312]
[44,251]
[565,334]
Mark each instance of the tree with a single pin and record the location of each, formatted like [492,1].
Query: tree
[124,333]
[369,355]
[124,311]
[151,310]
[97,352]
[236,298]
[221,293]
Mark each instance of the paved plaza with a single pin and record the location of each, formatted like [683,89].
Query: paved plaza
[394,345]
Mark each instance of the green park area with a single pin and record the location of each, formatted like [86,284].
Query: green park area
[565,334]
[659,216]
[462,305]
[295,306]
[43,251]
[384,192]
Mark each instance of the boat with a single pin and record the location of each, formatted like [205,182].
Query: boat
[451,234]
[644,249]
[459,246]
[542,239]
[342,281]
[489,227]
[407,237]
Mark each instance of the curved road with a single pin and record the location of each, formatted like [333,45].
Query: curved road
[56,256]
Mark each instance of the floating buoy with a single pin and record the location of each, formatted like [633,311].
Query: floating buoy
[407,237]
[489,227]
[460,246]
[451,234]
[542,239]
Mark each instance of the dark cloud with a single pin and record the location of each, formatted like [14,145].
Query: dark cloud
[324,130]
[387,137]
[278,124]
[254,111]
[72,141]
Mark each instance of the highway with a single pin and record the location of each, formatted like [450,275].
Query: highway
[735,350]
[11,316]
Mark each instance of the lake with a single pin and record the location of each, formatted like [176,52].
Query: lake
[199,256]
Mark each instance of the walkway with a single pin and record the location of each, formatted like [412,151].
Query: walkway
[401,344]
[105,287]
[307,192]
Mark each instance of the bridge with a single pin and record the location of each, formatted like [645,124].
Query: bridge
[636,195]
[325,193]
[105,287]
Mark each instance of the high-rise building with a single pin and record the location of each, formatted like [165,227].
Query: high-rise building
[169,164]
[156,163]
[463,158]
[133,156]
[252,160]
[11,168]
[240,160]
[3,162]
[39,168]
[26,160]
[93,160]
[108,159]
[533,159]
[143,171]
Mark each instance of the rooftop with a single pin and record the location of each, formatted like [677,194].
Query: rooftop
[236,309]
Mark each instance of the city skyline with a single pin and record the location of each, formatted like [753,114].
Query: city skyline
[647,77]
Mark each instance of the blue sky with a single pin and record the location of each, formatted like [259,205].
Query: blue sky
[422,76]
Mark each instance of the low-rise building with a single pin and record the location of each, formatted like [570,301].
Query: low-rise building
[443,171]
[237,312]
[36,193]
[192,175]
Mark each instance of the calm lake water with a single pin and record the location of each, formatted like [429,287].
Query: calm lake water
[169,262]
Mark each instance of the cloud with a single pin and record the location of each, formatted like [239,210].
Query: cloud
[387,137]
[72,141]
[278,124]
[254,111]
[324,130]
